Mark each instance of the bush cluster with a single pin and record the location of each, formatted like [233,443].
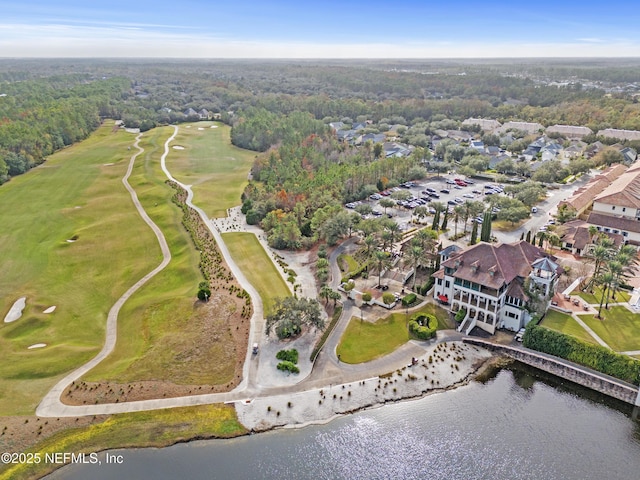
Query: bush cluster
[288,355]
[593,356]
[423,326]
[288,367]
[409,299]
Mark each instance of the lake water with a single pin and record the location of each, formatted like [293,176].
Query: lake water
[516,425]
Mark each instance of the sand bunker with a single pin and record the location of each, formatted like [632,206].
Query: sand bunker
[50,309]
[71,240]
[188,126]
[213,126]
[107,164]
[36,345]
[16,310]
[178,147]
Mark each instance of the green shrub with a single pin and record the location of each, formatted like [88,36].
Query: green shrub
[288,355]
[388,298]
[599,358]
[423,326]
[288,367]
[427,286]
[366,297]
[409,299]
[460,314]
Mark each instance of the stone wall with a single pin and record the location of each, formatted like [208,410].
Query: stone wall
[561,368]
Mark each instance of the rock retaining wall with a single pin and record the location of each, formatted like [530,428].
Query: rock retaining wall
[599,382]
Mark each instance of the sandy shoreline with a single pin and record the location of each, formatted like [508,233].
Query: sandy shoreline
[443,367]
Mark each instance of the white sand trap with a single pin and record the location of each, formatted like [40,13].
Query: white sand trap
[213,126]
[77,206]
[200,128]
[16,310]
[36,345]
[188,126]
[51,309]
[178,147]
[71,240]
[107,164]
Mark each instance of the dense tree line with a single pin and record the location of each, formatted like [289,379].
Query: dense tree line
[39,117]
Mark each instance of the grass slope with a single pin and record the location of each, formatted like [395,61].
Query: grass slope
[365,341]
[256,265]
[77,192]
[620,328]
[216,169]
[563,323]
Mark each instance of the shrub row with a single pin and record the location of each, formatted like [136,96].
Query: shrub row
[423,326]
[288,355]
[408,300]
[327,331]
[596,357]
[288,367]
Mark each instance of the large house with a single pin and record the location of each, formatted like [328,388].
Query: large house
[487,281]
[582,198]
[569,131]
[617,208]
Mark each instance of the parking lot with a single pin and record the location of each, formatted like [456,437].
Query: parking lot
[443,189]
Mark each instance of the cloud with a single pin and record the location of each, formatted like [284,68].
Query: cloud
[591,40]
[141,40]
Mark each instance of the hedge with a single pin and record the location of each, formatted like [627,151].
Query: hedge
[288,367]
[596,357]
[423,326]
[409,299]
[288,355]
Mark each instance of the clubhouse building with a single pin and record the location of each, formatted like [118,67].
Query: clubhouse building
[488,280]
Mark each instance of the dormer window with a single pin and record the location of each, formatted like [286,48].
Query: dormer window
[474,266]
[492,270]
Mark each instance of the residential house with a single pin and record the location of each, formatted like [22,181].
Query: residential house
[204,114]
[576,238]
[582,198]
[477,145]
[619,134]
[572,151]
[487,281]
[617,208]
[629,154]
[359,126]
[569,131]
[336,126]
[593,149]
[529,128]
[393,149]
[190,113]
[485,124]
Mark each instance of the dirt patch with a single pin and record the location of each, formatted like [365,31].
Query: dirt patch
[19,433]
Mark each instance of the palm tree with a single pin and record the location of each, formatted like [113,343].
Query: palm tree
[394,229]
[601,254]
[370,242]
[458,212]
[420,212]
[335,296]
[325,292]
[413,257]
[383,261]
[605,280]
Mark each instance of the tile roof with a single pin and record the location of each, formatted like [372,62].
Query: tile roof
[494,265]
[570,131]
[584,195]
[620,134]
[618,223]
[624,191]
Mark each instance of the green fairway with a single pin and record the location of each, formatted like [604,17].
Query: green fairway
[216,169]
[78,194]
[365,341]
[564,323]
[254,262]
[163,318]
[620,328]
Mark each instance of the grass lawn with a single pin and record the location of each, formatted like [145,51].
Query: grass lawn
[620,328]
[561,322]
[596,296]
[351,264]
[141,429]
[366,341]
[256,265]
[162,319]
[216,169]
[77,192]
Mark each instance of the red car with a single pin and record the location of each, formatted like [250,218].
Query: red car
[462,183]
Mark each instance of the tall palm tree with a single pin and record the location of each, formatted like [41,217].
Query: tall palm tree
[414,256]
[605,280]
[325,292]
[382,261]
[601,254]
[458,213]
[370,242]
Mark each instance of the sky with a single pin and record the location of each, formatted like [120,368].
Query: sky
[319,29]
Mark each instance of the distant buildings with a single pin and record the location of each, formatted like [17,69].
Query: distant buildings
[619,134]
[569,131]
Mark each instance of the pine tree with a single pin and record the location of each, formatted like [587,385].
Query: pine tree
[474,233]
[485,234]
[445,220]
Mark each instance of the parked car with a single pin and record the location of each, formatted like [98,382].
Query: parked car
[444,190]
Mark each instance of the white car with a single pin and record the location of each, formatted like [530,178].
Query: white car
[469,195]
